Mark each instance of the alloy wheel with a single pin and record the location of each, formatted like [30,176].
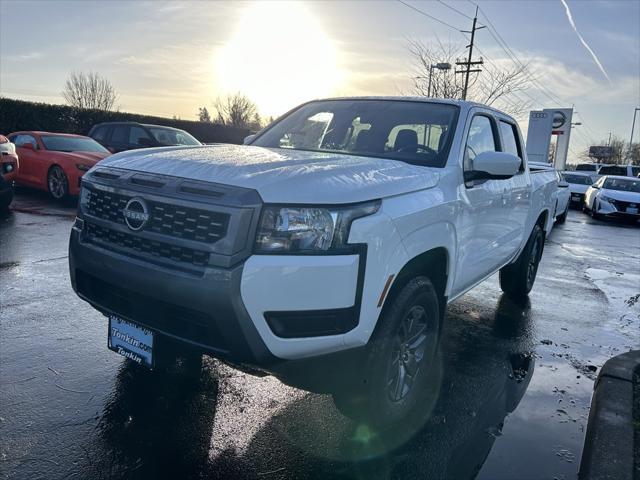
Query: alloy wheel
[57,183]
[408,353]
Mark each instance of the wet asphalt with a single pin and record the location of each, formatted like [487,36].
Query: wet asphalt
[514,380]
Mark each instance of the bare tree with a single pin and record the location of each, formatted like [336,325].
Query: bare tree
[493,86]
[236,110]
[621,153]
[203,115]
[89,90]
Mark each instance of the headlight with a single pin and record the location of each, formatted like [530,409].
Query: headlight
[299,229]
[605,198]
[84,197]
[83,167]
[7,148]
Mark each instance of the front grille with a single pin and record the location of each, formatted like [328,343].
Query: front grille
[149,248]
[167,219]
[622,206]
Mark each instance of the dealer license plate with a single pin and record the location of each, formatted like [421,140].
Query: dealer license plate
[575,198]
[131,341]
[633,210]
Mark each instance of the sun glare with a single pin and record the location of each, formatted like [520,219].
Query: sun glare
[279,57]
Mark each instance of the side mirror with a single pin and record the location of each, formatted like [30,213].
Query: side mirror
[595,186]
[563,184]
[248,139]
[494,166]
[28,146]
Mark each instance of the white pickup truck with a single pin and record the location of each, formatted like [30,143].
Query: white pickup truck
[333,241]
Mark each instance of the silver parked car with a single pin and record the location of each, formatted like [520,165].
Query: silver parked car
[614,196]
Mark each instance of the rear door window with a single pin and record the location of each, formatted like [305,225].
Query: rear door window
[22,140]
[138,136]
[120,134]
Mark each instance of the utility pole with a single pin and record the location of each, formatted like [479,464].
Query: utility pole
[609,142]
[469,61]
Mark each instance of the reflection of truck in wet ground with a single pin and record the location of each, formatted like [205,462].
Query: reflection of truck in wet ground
[335,239]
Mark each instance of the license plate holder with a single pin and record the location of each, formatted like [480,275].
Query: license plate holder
[131,341]
[633,210]
[575,198]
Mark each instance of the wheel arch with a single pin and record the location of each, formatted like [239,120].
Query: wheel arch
[544,221]
[433,264]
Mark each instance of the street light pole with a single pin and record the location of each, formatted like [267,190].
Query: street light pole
[633,126]
[429,91]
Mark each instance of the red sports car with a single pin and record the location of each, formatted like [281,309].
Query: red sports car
[55,162]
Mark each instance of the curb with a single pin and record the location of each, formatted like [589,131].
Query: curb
[609,445]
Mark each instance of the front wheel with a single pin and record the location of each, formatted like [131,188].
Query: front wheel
[399,360]
[58,183]
[517,279]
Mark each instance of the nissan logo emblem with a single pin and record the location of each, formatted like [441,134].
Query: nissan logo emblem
[136,214]
[559,119]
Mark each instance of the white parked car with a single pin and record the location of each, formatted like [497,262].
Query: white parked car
[614,196]
[329,246]
[620,170]
[578,182]
[561,197]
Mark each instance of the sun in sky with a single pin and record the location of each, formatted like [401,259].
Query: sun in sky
[278,56]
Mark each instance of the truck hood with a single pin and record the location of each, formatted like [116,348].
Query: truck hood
[282,175]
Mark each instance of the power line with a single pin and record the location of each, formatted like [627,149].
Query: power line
[455,10]
[503,44]
[427,15]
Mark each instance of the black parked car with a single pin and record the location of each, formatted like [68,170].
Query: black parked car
[120,136]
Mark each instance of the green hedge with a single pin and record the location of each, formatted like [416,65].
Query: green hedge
[16,115]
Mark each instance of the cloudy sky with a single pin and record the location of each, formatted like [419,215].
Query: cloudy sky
[169,58]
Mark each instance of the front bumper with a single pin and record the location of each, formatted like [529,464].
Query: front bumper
[617,209]
[258,313]
[205,312]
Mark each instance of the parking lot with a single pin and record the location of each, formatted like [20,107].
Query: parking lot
[514,396]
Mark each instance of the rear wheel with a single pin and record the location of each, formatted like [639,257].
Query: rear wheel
[517,279]
[399,360]
[58,183]
[563,217]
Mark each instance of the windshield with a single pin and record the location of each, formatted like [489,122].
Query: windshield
[59,143]
[414,132]
[169,136]
[622,184]
[578,179]
[615,170]
[586,168]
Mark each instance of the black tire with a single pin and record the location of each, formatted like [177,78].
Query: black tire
[5,200]
[593,211]
[562,218]
[58,183]
[517,279]
[398,361]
